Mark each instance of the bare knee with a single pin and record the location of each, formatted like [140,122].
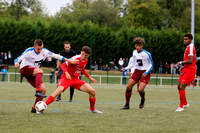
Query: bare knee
[129,88]
[92,92]
[37,70]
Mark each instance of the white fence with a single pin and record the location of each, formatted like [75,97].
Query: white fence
[102,79]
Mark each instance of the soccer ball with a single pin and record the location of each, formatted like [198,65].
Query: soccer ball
[40,106]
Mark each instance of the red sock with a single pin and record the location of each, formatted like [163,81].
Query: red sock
[128,96]
[184,98]
[181,96]
[38,81]
[49,100]
[38,89]
[92,103]
[37,99]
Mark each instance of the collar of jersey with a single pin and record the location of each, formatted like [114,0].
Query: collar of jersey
[140,51]
[36,52]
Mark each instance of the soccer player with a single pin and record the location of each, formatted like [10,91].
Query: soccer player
[68,53]
[29,63]
[143,64]
[70,78]
[188,70]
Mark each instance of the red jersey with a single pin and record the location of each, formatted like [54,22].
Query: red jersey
[190,51]
[75,69]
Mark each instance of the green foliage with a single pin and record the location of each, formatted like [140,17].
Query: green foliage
[164,44]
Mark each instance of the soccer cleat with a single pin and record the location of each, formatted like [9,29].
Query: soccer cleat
[40,94]
[37,112]
[186,106]
[58,98]
[179,109]
[125,107]
[141,106]
[96,111]
[33,110]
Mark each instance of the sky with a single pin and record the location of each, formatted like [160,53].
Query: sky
[53,6]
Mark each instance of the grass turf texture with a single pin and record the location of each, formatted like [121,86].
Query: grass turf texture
[158,116]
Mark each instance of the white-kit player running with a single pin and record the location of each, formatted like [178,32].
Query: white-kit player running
[143,64]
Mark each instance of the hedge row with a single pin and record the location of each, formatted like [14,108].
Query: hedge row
[164,45]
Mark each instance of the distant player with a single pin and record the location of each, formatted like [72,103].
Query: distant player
[143,64]
[67,53]
[29,63]
[70,78]
[188,70]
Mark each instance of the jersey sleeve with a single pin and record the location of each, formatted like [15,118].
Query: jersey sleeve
[130,64]
[85,73]
[63,66]
[150,64]
[22,56]
[53,55]
[190,49]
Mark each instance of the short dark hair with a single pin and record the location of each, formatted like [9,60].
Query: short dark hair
[86,49]
[189,35]
[38,42]
[67,42]
[138,41]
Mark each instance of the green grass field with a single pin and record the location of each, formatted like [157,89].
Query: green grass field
[158,116]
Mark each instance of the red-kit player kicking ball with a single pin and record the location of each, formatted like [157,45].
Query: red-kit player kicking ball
[70,75]
[188,70]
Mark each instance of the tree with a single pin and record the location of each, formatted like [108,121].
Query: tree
[142,13]
[19,8]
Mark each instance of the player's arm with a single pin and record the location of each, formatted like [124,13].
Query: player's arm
[59,57]
[19,59]
[189,61]
[64,66]
[130,65]
[58,66]
[88,76]
[150,65]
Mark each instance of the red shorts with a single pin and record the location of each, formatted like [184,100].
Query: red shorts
[187,76]
[74,83]
[137,76]
[27,72]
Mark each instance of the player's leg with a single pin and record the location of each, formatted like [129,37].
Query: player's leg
[58,78]
[182,96]
[62,86]
[92,96]
[71,94]
[40,88]
[141,91]
[142,84]
[37,99]
[128,92]
[57,92]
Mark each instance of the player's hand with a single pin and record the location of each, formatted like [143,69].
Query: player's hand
[144,75]
[179,63]
[68,76]
[122,69]
[180,69]
[16,65]
[56,73]
[93,80]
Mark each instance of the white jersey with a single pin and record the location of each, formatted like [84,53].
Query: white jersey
[141,61]
[30,58]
